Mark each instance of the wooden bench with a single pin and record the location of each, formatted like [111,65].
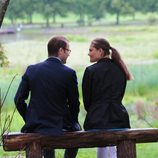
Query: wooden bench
[125,140]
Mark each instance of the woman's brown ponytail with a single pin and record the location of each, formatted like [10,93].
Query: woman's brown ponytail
[117,58]
[105,45]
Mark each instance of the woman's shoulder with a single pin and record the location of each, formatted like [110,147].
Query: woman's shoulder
[99,66]
[92,67]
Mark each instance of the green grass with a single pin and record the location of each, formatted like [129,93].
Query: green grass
[143,85]
[155,54]
[77,38]
[148,150]
[145,82]
[135,43]
[70,19]
[143,151]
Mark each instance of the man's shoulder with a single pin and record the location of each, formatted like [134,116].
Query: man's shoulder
[67,68]
[34,66]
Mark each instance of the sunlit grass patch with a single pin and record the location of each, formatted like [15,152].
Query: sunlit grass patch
[77,38]
[148,150]
[145,82]
[155,54]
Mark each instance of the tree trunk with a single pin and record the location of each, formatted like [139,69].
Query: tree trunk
[47,21]
[117,18]
[54,17]
[13,21]
[82,19]
[30,18]
[3,7]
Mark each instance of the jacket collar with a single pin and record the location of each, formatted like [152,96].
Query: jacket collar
[103,60]
[54,59]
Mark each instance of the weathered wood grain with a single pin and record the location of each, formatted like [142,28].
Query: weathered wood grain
[126,149]
[83,139]
[125,140]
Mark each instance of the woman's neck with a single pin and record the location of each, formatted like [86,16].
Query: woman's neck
[107,56]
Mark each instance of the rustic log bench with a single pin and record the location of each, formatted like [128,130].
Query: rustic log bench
[125,140]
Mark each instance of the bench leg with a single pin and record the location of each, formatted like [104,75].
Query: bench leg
[126,149]
[34,150]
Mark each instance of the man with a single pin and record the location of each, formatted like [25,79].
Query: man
[54,99]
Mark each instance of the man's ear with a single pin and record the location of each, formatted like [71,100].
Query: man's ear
[60,51]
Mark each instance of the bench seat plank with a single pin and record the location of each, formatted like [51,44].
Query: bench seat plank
[82,139]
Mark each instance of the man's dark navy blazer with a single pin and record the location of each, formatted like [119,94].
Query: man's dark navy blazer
[53,91]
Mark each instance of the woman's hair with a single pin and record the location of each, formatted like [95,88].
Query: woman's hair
[115,56]
[55,44]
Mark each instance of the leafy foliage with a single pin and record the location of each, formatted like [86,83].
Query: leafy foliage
[3,59]
[15,10]
[90,10]
[5,123]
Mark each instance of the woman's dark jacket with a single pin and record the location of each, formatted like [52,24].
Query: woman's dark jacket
[103,89]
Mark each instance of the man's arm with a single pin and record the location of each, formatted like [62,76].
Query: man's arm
[21,95]
[73,97]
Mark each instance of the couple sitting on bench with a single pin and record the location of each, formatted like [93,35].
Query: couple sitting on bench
[54,99]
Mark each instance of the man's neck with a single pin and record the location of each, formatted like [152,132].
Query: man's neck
[54,57]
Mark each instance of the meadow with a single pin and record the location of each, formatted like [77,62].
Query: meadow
[137,46]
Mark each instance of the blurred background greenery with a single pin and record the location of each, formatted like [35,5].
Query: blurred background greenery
[130,26]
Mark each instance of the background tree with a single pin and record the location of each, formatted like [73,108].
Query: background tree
[80,9]
[28,9]
[50,9]
[3,7]
[137,5]
[96,9]
[15,10]
[150,6]
[119,7]
[128,8]
[91,10]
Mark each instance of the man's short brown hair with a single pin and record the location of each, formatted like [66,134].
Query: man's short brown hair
[55,44]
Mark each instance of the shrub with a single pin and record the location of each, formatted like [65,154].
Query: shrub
[152,19]
[3,59]
[155,54]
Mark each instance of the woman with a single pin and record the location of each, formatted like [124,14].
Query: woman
[103,89]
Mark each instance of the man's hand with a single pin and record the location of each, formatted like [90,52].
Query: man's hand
[76,127]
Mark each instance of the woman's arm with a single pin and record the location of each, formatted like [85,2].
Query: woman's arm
[86,89]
